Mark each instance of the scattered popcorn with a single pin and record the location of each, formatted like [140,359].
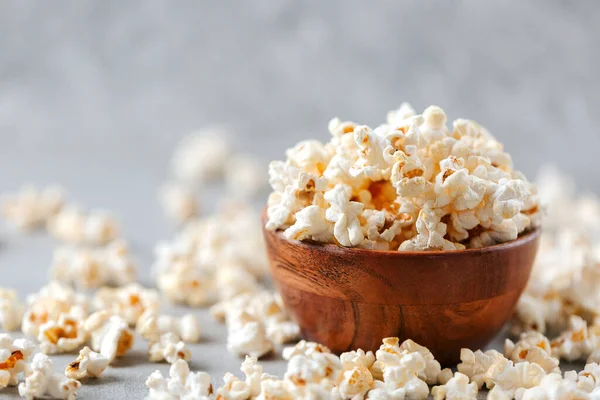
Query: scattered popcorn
[553,387]
[457,388]
[92,268]
[62,336]
[41,381]
[234,388]
[72,225]
[129,301]
[440,189]
[244,176]
[88,363]
[480,367]
[31,208]
[247,335]
[49,303]
[402,380]
[512,378]
[14,354]
[575,343]
[11,310]
[588,380]
[181,384]
[355,379]
[179,202]
[201,156]
[170,348]
[110,334]
[151,326]
[533,347]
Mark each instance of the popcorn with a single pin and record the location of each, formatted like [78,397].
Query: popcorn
[49,303]
[179,202]
[482,368]
[110,334]
[62,336]
[129,301]
[588,380]
[244,176]
[31,208]
[14,354]
[403,380]
[169,348]
[449,189]
[11,310]
[456,388]
[88,363]
[200,156]
[533,347]
[553,387]
[246,335]
[181,384]
[92,268]
[72,225]
[151,326]
[41,381]
[355,379]
[234,388]
[322,364]
[575,343]
[514,377]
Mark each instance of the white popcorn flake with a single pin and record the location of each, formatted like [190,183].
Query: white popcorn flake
[553,387]
[533,347]
[234,388]
[31,207]
[481,367]
[169,348]
[41,381]
[181,384]
[575,343]
[129,301]
[73,225]
[151,326]
[201,156]
[87,364]
[11,310]
[110,334]
[512,378]
[344,213]
[14,355]
[457,388]
[179,202]
[355,379]
[62,336]
[246,335]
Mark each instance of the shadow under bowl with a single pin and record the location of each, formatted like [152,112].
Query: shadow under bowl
[348,298]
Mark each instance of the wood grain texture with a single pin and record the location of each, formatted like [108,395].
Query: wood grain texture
[352,298]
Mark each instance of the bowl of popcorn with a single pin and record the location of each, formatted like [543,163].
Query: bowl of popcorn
[411,230]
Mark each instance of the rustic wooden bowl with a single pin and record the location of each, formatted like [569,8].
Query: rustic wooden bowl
[350,298]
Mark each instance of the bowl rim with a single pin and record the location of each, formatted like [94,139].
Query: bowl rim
[522,239]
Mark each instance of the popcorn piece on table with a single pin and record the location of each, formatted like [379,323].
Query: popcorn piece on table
[246,335]
[201,156]
[325,364]
[402,380]
[244,176]
[151,326]
[88,364]
[553,387]
[179,202]
[575,343]
[14,354]
[533,347]
[457,387]
[74,226]
[356,378]
[49,303]
[481,367]
[169,348]
[110,334]
[92,268]
[31,208]
[250,387]
[41,381]
[181,384]
[513,379]
[11,310]
[62,336]
[129,301]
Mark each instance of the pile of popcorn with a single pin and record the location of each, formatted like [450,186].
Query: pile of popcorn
[409,184]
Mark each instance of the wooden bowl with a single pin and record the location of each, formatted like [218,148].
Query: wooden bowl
[347,298]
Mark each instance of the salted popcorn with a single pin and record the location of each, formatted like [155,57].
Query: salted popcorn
[179,202]
[14,355]
[201,156]
[482,368]
[31,207]
[244,176]
[87,364]
[356,379]
[129,301]
[49,304]
[169,348]
[235,388]
[62,336]
[42,381]
[73,225]
[575,343]
[457,388]
[553,387]
[514,378]
[402,380]
[92,268]
[410,184]
[247,335]
[181,384]
[11,310]
[151,326]
[109,334]
[533,347]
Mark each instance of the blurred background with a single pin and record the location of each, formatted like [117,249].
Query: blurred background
[94,95]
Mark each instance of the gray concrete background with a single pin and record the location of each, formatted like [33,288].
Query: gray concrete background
[95,94]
